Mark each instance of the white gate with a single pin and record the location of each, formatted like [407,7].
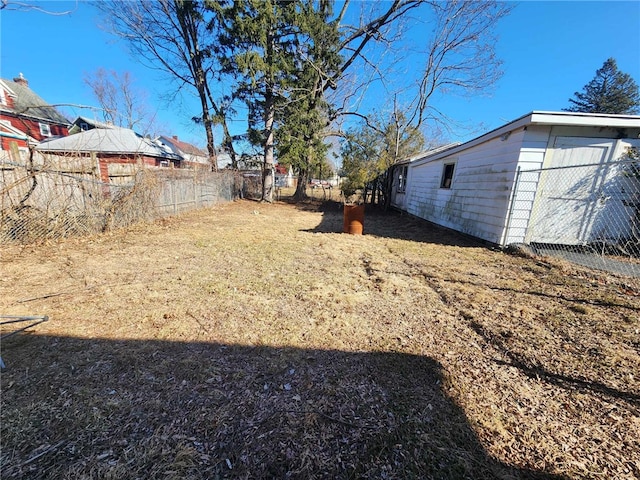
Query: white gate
[572,192]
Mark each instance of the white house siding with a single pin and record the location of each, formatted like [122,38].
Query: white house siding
[484,201]
[530,160]
[478,200]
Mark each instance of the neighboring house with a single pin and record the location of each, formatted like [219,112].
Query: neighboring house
[224,159]
[284,176]
[496,186]
[194,157]
[83,124]
[13,140]
[29,113]
[118,151]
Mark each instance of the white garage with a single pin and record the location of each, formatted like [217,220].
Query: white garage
[547,177]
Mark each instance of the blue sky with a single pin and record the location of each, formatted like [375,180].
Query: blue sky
[549,49]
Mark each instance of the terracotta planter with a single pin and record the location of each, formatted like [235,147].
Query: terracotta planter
[353,219]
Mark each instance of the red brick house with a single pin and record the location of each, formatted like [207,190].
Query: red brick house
[27,112]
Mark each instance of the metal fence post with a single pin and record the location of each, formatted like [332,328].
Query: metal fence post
[512,202]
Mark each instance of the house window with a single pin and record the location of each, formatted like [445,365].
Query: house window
[45,130]
[447,175]
[402,179]
[84,126]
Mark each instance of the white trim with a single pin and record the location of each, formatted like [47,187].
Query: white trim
[538,118]
[444,171]
[45,129]
[402,178]
[7,88]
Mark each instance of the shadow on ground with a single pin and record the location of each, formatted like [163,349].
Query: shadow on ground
[90,408]
[388,224]
[538,372]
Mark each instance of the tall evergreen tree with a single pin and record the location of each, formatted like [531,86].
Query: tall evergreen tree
[257,48]
[610,91]
[280,52]
[307,113]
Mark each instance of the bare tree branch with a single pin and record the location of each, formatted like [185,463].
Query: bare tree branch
[26,6]
[169,35]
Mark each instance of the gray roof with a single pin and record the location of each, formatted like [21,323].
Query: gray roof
[113,140]
[75,127]
[427,153]
[28,103]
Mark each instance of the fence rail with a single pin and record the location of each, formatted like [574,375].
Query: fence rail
[44,197]
[587,214]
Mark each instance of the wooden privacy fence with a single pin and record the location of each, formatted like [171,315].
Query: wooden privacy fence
[46,197]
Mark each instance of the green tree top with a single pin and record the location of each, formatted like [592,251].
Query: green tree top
[610,91]
[370,149]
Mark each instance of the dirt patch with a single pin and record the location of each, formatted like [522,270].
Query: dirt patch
[256,341]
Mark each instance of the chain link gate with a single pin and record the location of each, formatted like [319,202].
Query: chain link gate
[586,214]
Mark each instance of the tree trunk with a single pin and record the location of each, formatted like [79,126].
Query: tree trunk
[206,118]
[227,141]
[211,149]
[303,177]
[301,187]
[269,119]
[188,24]
[267,170]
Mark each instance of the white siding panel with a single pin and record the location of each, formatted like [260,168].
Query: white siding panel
[481,202]
[478,199]
[531,159]
[592,132]
[536,135]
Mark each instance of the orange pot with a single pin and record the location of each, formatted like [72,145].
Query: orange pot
[353,219]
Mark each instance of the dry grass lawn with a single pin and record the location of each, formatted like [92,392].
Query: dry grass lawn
[255,341]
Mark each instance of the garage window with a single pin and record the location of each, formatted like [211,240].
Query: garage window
[402,179]
[447,175]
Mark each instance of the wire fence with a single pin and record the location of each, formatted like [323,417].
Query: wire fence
[586,214]
[46,197]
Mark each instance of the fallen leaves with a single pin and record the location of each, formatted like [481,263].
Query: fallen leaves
[233,344]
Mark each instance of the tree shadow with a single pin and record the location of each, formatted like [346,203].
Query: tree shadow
[389,224]
[531,370]
[553,296]
[93,408]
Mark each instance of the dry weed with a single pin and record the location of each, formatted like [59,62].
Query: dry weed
[256,341]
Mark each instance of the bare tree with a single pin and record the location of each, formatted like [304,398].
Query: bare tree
[456,57]
[30,6]
[170,35]
[121,102]
[376,47]
[460,56]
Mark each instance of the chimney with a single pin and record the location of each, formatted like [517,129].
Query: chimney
[21,80]
[175,137]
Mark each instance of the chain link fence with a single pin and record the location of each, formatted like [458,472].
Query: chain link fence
[586,214]
[46,197]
